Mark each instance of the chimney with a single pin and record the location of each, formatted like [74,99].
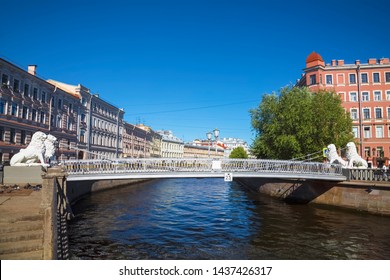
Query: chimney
[32,69]
[340,62]
[372,61]
[333,62]
[357,62]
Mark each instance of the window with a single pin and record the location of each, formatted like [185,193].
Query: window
[388,95]
[329,79]
[4,79]
[367,151]
[2,133]
[23,137]
[26,90]
[387,77]
[379,152]
[367,132]
[52,121]
[353,96]
[388,114]
[14,109]
[364,78]
[16,85]
[354,114]
[378,113]
[12,136]
[355,131]
[35,94]
[313,79]
[375,77]
[34,115]
[24,112]
[377,95]
[366,113]
[59,121]
[365,96]
[43,97]
[42,117]
[2,106]
[82,136]
[352,78]
[340,79]
[379,131]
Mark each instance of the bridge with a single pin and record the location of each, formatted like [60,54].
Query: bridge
[156,168]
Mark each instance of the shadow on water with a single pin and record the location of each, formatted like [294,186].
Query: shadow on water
[213,219]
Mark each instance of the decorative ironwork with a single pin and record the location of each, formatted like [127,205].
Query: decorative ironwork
[197,165]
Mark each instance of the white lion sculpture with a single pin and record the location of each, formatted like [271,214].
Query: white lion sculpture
[41,147]
[354,160]
[333,157]
[50,146]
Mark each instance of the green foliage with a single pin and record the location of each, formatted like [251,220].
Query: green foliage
[238,152]
[296,122]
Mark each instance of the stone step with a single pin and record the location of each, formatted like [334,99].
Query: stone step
[15,236]
[20,217]
[21,246]
[20,226]
[32,255]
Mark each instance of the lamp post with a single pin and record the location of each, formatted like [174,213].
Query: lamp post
[216,134]
[209,138]
[117,132]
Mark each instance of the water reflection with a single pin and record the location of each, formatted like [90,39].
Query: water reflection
[213,219]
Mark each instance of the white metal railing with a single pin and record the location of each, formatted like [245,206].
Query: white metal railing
[197,165]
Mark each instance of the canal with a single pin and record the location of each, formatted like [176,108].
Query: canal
[212,219]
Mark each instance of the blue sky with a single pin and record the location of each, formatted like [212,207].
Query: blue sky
[188,66]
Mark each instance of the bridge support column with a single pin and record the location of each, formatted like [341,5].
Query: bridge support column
[54,180]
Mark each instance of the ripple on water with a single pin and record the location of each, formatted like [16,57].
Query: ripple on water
[212,219]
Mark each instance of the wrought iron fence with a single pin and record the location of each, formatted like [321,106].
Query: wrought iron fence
[160,165]
[368,175]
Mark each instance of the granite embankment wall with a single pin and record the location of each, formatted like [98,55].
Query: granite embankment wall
[76,190]
[369,196]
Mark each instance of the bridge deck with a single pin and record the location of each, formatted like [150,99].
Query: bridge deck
[199,168]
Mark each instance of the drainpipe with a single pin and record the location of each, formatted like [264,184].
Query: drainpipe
[360,111]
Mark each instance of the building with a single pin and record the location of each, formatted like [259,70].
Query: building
[171,146]
[232,143]
[192,150]
[29,104]
[100,124]
[364,89]
[140,141]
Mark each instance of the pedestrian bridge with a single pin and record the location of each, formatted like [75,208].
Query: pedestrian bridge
[156,168]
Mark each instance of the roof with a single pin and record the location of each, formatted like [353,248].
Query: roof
[313,57]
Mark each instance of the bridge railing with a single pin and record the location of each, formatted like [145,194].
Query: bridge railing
[368,175]
[159,165]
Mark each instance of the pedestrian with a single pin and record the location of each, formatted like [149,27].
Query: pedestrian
[384,169]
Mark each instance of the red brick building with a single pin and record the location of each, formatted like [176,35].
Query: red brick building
[364,89]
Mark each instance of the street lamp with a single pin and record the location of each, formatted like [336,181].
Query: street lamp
[117,132]
[216,134]
[209,138]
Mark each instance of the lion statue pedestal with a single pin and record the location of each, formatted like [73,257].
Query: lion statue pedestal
[41,148]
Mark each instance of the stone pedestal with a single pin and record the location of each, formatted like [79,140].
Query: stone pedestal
[21,175]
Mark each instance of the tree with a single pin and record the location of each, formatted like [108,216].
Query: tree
[296,122]
[238,152]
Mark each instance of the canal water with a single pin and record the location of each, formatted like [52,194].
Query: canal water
[211,219]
